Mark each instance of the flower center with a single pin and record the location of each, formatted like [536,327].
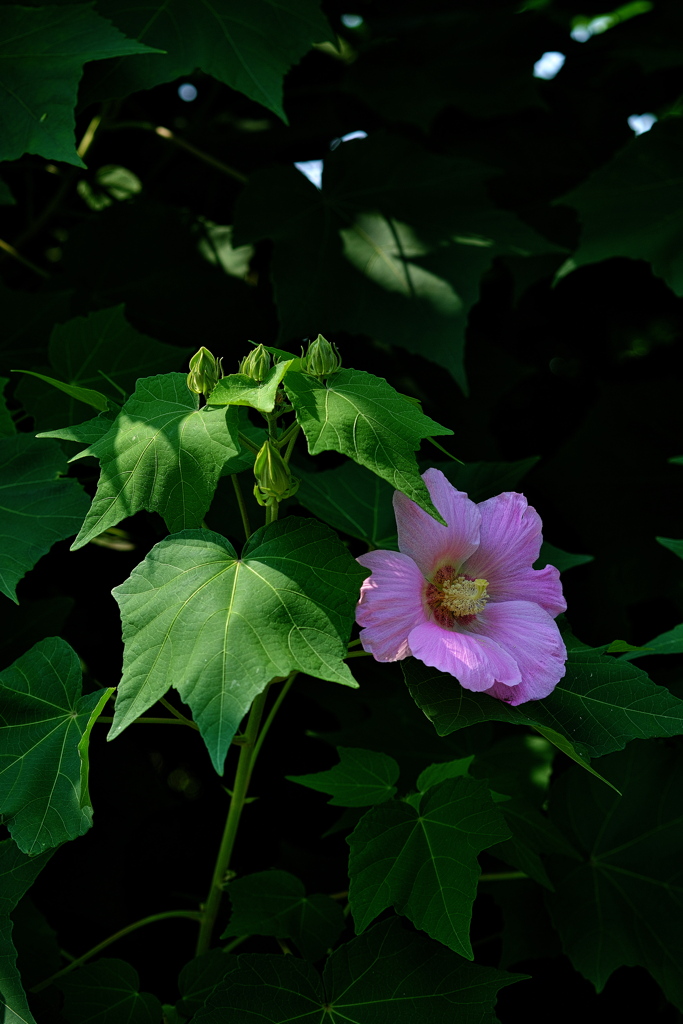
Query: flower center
[455,599]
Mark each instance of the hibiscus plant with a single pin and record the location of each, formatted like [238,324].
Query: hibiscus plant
[309,709]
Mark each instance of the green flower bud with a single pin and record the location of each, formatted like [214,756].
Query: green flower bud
[205,372]
[274,482]
[257,364]
[321,358]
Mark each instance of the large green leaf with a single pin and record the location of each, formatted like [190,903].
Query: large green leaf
[352,499]
[424,862]
[673,545]
[275,903]
[670,642]
[219,627]
[162,453]
[101,352]
[386,976]
[632,206]
[17,874]
[600,704]
[362,416]
[45,727]
[250,47]
[393,246]
[42,53]
[107,992]
[37,506]
[362,778]
[623,903]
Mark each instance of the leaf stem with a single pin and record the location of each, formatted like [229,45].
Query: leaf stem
[502,876]
[194,915]
[271,715]
[248,444]
[11,251]
[166,133]
[242,506]
[358,654]
[146,720]
[178,714]
[290,447]
[237,800]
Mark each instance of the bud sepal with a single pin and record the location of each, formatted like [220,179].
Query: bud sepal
[274,482]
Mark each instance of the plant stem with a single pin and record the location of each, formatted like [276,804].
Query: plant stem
[145,720]
[237,800]
[194,915]
[242,507]
[273,711]
[166,133]
[357,654]
[502,876]
[178,714]
[290,446]
[11,251]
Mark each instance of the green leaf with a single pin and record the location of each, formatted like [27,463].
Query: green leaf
[219,627]
[239,389]
[6,197]
[7,427]
[362,778]
[84,433]
[354,500]
[424,863]
[45,727]
[670,642]
[623,904]
[673,545]
[42,53]
[437,773]
[100,351]
[17,874]
[250,48]
[363,417]
[85,395]
[562,560]
[37,507]
[532,834]
[351,499]
[393,246]
[275,903]
[359,984]
[632,205]
[162,453]
[109,184]
[601,704]
[107,992]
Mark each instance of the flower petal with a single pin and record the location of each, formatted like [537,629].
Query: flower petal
[427,542]
[390,604]
[530,636]
[477,662]
[510,542]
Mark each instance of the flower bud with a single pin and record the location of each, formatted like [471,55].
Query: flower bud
[205,372]
[257,364]
[321,358]
[274,482]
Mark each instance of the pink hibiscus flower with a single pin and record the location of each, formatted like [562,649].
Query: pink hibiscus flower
[463,598]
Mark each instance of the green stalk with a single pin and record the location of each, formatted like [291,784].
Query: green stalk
[237,801]
[192,914]
[242,506]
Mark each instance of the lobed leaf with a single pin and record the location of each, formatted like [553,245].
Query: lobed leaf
[386,976]
[42,53]
[275,903]
[362,416]
[219,627]
[622,904]
[107,991]
[362,778]
[45,727]
[424,862]
[163,454]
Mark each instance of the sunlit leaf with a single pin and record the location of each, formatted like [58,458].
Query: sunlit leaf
[219,627]
[163,454]
[362,416]
[238,389]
